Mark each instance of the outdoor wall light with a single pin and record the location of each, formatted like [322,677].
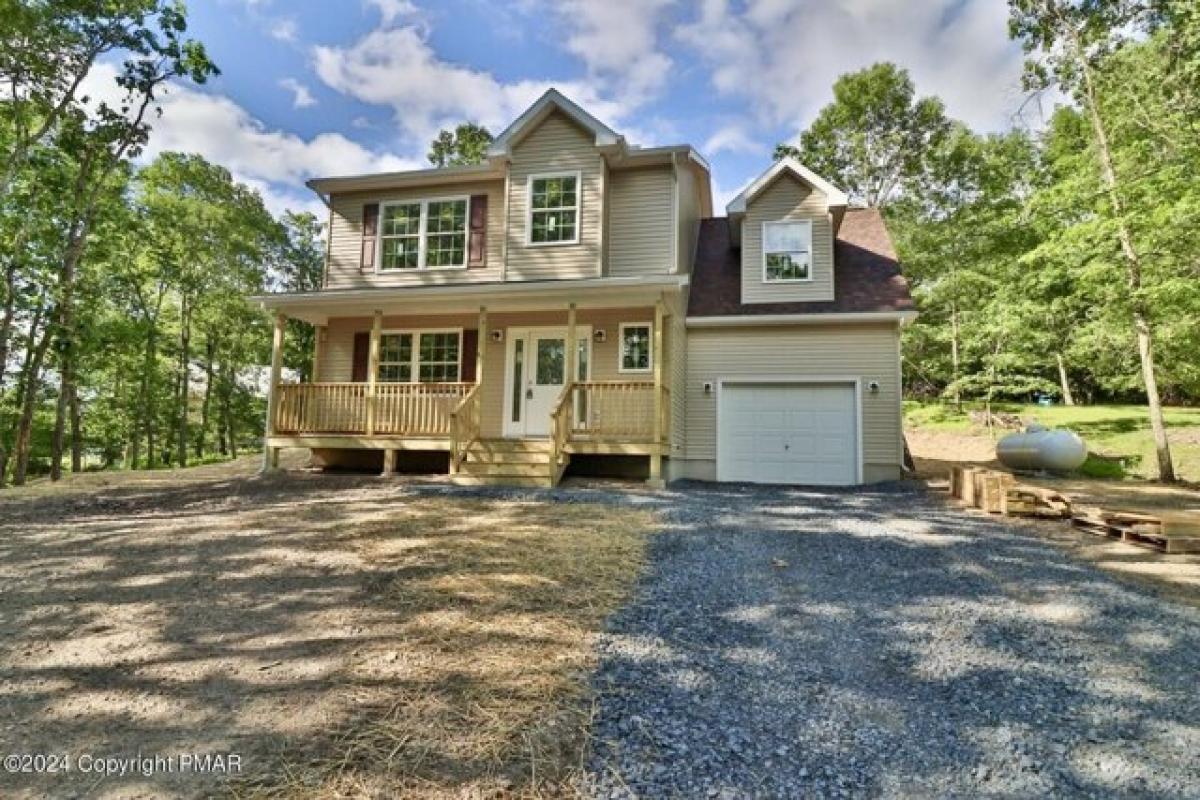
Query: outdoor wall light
[708,387]
[873,387]
[600,336]
[497,335]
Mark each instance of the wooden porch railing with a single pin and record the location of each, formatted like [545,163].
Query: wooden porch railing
[404,409]
[465,422]
[617,411]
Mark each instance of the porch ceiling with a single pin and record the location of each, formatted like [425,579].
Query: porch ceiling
[318,308]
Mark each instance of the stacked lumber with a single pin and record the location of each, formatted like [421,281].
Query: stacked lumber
[1034,501]
[1166,532]
[999,493]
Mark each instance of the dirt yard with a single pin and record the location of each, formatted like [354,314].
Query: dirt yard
[340,634]
[936,451]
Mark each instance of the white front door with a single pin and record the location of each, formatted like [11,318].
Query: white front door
[535,373]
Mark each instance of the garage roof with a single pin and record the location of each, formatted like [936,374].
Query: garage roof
[866,273]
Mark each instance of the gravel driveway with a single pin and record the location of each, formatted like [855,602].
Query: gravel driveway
[796,643]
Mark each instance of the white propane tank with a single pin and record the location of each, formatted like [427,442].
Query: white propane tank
[1038,448]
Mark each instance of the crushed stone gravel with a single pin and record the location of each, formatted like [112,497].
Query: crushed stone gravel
[874,642]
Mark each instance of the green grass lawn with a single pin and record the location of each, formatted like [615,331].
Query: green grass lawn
[1118,437]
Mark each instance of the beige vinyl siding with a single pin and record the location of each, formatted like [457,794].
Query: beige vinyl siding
[640,218]
[556,145]
[346,239]
[339,347]
[785,199]
[688,190]
[866,352]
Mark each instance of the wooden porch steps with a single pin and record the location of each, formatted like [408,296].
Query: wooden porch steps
[508,462]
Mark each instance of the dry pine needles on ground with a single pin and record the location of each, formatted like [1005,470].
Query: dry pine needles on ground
[484,613]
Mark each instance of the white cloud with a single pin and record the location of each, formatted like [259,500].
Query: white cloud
[392,10]
[398,68]
[731,138]
[285,29]
[223,132]
[618,41]
[784,55]
[301,96]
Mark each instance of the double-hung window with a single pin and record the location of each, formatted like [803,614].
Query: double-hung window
[423,234]
[420,357]
[554,208]
[787,251]
[635,347]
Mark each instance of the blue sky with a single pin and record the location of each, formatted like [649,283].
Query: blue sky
[322,87]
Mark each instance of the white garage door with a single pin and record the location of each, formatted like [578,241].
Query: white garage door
[788,433]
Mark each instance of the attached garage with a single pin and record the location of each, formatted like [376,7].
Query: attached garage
[789,432]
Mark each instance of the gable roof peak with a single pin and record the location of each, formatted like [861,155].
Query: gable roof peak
[552,100]
[834,195]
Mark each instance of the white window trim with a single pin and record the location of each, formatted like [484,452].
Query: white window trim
[415,365]
[763,246]
[578,176]
[621,348]
[421,235]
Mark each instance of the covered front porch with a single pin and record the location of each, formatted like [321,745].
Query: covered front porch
[509,391]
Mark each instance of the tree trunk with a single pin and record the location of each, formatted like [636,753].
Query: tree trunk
[954,356]
[28,404]
[76,240]
[76,431]
[182,382]
[210,349]
[1068,398]
[1133,273]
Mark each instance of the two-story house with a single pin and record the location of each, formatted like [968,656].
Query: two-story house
[572,302]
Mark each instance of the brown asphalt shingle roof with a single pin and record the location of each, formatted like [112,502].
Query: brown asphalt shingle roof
[866,273]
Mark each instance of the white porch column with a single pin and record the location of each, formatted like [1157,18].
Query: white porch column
[271,454]
[572,346]
[481,345]
[373,370]
[657,359]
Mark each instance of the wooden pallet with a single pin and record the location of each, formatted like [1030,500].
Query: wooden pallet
[999,493]
[1033,501]
[1170,532]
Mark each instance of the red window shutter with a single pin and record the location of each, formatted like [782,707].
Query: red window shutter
[470,348]
[362,355]
[477,249]
[370,227]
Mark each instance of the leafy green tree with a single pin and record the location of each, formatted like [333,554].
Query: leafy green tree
[302,269]
[466,144]
[872,140]
[1074,42]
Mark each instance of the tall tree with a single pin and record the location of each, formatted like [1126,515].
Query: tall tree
[466,144]
[100,141]
[1074,40]
[873,139]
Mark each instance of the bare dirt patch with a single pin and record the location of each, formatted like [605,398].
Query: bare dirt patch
[344,635]
[934,452]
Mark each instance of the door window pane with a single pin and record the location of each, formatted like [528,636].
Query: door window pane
[518,368]
[551,356]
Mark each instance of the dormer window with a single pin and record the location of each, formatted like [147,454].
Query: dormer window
[554,208]
[787,251]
